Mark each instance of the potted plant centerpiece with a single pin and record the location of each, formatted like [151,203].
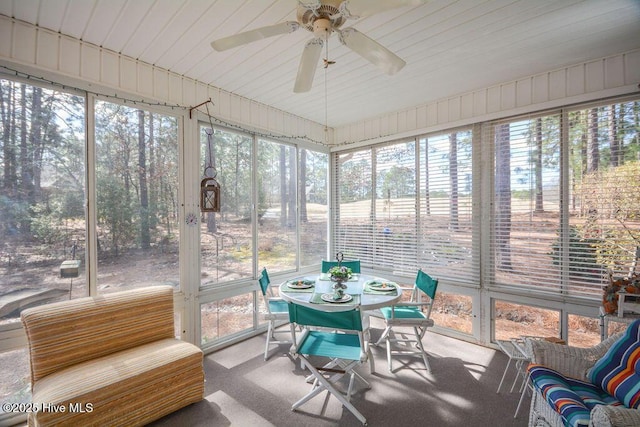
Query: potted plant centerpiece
[340,274]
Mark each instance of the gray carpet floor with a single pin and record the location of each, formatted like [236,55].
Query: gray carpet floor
[242,389]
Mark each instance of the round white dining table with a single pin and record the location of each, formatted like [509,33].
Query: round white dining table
[355,286]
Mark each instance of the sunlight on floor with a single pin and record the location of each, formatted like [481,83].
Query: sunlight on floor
[236,413]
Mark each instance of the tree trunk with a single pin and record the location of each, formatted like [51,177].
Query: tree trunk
[26,178]
[283,187]
[593,150]
[302,186]
[145,235]
[453,181]
[539,206]
[292,189]
[503,198]
[153,185]
[37,141]
[9,149]
[427,198]
[5,113]
[616,149]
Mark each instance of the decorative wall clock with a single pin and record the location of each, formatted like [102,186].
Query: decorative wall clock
[191,219]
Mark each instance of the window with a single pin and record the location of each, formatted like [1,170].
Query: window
[313,173]
[292,195]
[137,197]
[394,207]
[42,193]
[603,234]
[515,320]
[526,213]
[226,239]
[225,318]
[353,211]
[566,209]
[446,229]
[277,206]
[408,205]
[583,331]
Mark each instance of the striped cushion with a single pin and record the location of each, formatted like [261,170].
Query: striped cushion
[617,371]
[116,351]
[131,387]
[65,333]
[572,399]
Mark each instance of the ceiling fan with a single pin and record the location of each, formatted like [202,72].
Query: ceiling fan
[323,17]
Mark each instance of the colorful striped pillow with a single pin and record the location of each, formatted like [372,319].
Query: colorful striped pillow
[617,372]
[572,399]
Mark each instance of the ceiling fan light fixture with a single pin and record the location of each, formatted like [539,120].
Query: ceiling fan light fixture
[322,28]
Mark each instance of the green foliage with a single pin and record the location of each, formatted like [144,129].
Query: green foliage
[355,181]
[46,223]
[13,212]
[398,181]
[116,214]
[522,194]
[614,211]
[583,254]
[72,204]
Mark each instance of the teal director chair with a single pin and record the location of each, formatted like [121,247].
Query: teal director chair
[353,265]
[339,339]
[415,314]
[277,311]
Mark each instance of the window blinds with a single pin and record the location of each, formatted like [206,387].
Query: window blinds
[407,205]
[566,199]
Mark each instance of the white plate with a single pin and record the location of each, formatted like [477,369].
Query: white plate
[388,288]
[385,286]
[329,298]
[301,285]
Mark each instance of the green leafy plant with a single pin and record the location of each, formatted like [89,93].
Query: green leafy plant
[340,272]
[583,261]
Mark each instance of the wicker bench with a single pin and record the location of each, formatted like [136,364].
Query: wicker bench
[110,360]
[554,367]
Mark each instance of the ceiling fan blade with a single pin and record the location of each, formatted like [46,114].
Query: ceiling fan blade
[360,8]
[371,50]
[254,35]
[308,65]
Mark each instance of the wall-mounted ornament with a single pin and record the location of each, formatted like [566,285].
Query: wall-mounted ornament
[191,219]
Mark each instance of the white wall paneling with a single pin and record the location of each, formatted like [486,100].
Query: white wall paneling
[41,49]
[46,53]
[610,76]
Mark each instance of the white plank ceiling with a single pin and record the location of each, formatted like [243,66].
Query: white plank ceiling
[450,46]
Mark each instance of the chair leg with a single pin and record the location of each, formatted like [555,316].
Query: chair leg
[504,374]
[389,353]
[350,388]
[269,335]
[524,392]
[384,335]
[325,383]
[419,335]
[518,373]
